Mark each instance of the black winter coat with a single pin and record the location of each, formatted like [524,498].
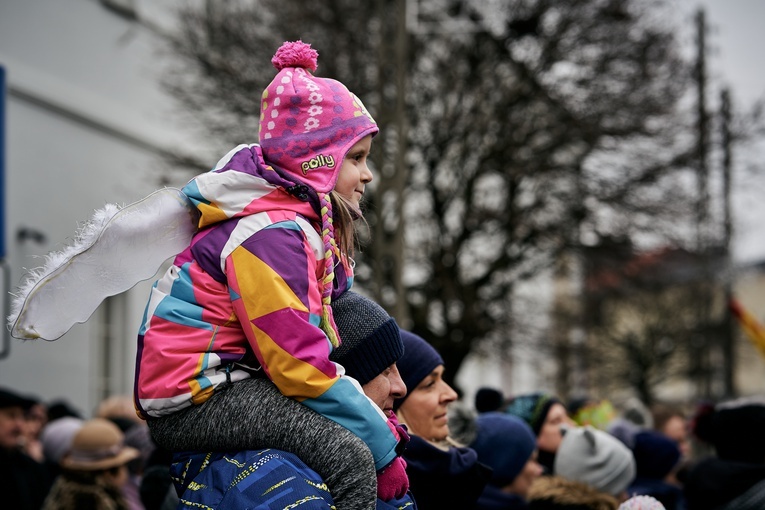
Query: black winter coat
[441,479]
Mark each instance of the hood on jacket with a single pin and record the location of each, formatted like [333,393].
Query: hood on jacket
[242,183]
[555,492]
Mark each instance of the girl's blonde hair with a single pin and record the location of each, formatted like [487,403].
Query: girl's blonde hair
[345,216]
[338,236]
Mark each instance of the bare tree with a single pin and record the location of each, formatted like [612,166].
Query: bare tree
[547,132]
[641,317]
[543,126]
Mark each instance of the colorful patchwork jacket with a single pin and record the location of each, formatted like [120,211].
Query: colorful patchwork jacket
[250,479]
[246,296]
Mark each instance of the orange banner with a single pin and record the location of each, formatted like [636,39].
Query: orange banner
[753,329]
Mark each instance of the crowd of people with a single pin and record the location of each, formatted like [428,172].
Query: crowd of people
[53,457]
[263,381]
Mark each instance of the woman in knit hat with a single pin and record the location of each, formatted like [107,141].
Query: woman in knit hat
[371,346]
[545,414]
[442,473]
[592,470]
[94,470]
[508,446]
[250,296]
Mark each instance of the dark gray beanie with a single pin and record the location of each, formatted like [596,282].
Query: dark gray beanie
[369,338]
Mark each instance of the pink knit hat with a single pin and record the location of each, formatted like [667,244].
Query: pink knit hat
[307,127]
[308,124]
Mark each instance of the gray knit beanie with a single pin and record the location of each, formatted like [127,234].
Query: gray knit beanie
[594,457]
[369,338]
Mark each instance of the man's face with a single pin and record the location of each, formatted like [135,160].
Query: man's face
[11,426]
[385,388]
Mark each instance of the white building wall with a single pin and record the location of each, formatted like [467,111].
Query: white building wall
[86,124]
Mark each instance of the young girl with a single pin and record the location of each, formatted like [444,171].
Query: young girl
[250,296]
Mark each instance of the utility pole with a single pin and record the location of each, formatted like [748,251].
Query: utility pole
[700,354]
[728,337]
[388,230]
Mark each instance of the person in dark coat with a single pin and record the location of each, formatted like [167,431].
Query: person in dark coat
[508,446]
[24,481]
[94,470]
[288,476]
[442,473]
[733,479]
[656,458]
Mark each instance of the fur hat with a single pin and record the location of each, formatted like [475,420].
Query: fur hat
[548,492]
[307,123]
[594,457]
[418,361]
[532,408]
[99,444]
[9,398]
[504,443]
[369,337]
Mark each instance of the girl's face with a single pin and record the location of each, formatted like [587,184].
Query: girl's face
[354,172]
[424,411]
[550,436]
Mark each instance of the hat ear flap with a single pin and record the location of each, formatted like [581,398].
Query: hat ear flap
[589,435]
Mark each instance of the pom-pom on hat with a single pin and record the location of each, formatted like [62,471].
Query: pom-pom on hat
[642,503]
[418,361]
[307,123]
[504,443]
[369,338]
[594,457]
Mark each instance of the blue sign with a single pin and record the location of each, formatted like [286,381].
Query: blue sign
[2,162]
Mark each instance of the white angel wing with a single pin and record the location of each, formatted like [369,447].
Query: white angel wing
[115,250]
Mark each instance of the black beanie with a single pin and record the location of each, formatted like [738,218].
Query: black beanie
[369,338]
[735,430]
[488,400]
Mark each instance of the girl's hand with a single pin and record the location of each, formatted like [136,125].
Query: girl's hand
[392,480]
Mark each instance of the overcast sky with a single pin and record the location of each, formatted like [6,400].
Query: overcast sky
[736,40]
